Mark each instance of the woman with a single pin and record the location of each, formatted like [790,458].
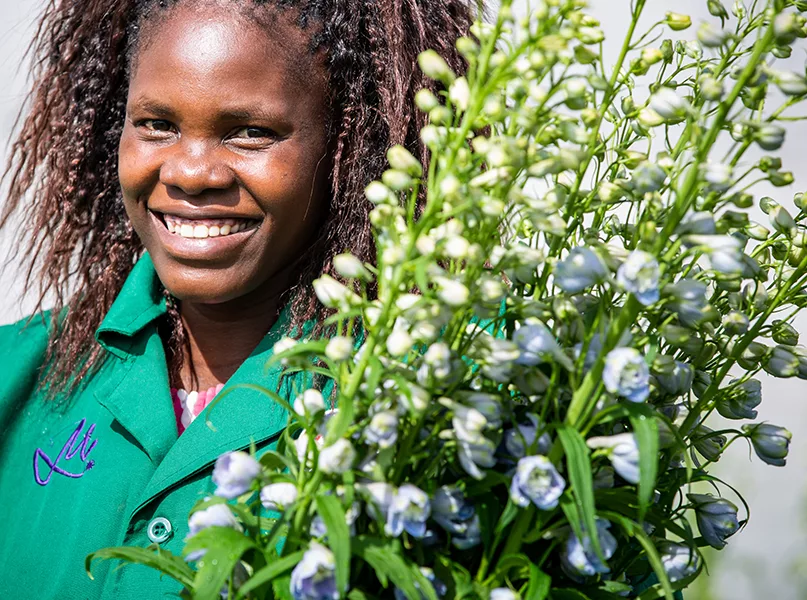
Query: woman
[186,169]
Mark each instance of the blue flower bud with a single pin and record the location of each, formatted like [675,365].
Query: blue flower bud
[234,473]
[740,402]
[626,374]
[578,556]
[770,442]
[639,275]
[536,480]
[580,270]
[717,518]
[623,452]
[782,362]
[679,561]
[409,511]
[314,577]
[688,300]
[648,177]
[678,382]
[708,443]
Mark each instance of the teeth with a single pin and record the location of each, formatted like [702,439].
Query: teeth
[189,229]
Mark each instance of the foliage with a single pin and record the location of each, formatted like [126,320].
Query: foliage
[554,325]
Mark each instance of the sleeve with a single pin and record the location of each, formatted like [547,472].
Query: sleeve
[22,353]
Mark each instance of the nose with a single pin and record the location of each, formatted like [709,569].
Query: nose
[194,167]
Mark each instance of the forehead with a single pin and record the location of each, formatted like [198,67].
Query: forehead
[212,46]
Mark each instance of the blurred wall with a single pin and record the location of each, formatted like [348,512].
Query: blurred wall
[766,560]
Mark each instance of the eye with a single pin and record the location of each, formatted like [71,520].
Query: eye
[155,126]
[253,135]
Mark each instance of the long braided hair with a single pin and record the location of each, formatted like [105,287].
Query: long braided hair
[78,246]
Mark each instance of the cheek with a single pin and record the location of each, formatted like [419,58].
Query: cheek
[137,170]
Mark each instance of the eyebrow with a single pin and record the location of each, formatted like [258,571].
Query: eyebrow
[162,110]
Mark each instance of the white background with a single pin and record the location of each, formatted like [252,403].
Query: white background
[769,558]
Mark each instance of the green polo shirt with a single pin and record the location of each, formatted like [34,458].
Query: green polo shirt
[105,467]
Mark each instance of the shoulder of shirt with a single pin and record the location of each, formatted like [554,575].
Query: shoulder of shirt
[22,352]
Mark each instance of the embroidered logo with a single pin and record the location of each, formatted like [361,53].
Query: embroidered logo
[74,445]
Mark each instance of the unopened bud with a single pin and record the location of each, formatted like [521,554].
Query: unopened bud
[677,22]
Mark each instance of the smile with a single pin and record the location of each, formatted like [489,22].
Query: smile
[205,228]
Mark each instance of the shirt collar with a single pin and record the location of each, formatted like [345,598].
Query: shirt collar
[139,303]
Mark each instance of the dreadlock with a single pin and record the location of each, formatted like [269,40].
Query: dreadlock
[62,175]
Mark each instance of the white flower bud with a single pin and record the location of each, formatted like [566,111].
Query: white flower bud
[399,342]
[434,67]
[668,104]
[350,267]
[397,180]
[332,293]
[402,160]
[456,247]
[460,93]
[452,292]
[339,348]
[781,220]
[677,22]
[426,100]
[310,401]
[791,83]
[710,36]
[378,193]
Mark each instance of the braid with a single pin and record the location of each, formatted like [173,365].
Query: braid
[62,173]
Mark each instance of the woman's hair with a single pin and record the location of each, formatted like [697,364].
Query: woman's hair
[62,177]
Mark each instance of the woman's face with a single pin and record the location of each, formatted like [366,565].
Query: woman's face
[222,160]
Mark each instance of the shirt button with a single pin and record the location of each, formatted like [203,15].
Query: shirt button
[159,530]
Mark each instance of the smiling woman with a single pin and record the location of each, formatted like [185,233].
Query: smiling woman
[187,169]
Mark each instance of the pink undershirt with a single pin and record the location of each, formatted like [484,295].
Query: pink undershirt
[188,406]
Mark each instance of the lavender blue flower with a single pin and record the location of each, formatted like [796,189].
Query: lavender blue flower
[216,515]
[580,270]
[234,473]
[678,560]
[536,480]
[687,300]
[622,451]
[457,516]
[409,511]
[538,345]
[578,556]
[771,442]
[717,518]
[519,439]
[639,275]
[626,374]
[382,430]
[337,458]
[278,496]
[314,577]
[379,497]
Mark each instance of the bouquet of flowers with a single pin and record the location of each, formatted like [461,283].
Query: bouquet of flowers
[521,406]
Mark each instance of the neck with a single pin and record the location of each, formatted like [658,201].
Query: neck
[222,336]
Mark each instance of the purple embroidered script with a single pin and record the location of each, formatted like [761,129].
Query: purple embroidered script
[72,446]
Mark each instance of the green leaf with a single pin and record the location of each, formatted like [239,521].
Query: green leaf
[332,513]
[539,584]
[645,428]
[390,566]
[223,548]
[271,572]
[508,515]
[636,531]
[152,557]
[578,463]
[281,587]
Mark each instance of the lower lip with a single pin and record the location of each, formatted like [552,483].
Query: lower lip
[209,248]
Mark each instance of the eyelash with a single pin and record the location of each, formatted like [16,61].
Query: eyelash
[149,126]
